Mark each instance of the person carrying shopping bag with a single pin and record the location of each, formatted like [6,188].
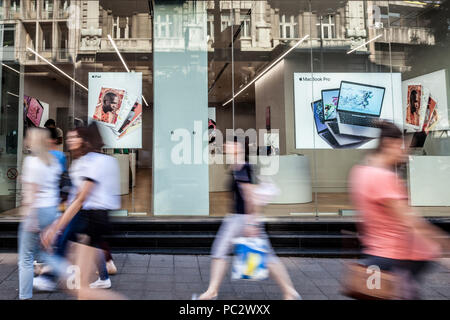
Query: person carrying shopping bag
[242,222]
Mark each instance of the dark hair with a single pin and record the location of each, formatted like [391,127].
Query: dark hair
[412,100]
[92,139]
[49,122]
[109,96]
[53,133]
[388,130]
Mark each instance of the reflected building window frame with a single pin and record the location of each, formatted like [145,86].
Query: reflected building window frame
[288,29]
[225,20]
[326,29]
[246,25]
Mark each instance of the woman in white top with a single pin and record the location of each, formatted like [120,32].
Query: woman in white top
[96,191]
[40,199]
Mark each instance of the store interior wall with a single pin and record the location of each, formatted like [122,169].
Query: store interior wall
[50,91]
[269,92]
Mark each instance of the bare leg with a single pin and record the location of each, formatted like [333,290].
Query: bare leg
[85,259]
[279,273]
[218,270]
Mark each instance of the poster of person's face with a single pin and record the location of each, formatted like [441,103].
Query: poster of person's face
[425,102]
[108,105]
[115,103]
[413,105]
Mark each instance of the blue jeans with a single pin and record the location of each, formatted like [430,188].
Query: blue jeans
[29,247]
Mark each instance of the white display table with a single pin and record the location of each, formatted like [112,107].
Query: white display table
[124,166]
[293,178]
[291,174]
[429,180]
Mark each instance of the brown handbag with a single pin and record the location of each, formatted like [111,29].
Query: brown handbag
[357,284]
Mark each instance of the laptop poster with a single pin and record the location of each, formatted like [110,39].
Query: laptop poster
[354,101]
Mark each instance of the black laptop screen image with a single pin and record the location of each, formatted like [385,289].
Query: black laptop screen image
[360,98]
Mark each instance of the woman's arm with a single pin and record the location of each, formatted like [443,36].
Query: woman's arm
[49,236]
[403,211]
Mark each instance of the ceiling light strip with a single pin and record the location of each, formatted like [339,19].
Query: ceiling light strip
[378,36]
[123,61]
[58,69]
[11,68]
[267,69]
[12,94]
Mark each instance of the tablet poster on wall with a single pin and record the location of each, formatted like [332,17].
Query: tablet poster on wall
[115,103]
[340,110]
[35,112]
[425,100]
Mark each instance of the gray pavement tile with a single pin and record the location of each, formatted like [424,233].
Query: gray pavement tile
[133,294]
[434,298]
[131,278]
[274,295]
[313,267]
[271,289]
[247,288]
[13,276]
[60,296]
[162,257]
[135,264]
[308,290]
[443,290]
[225,288]
[149,295]
[325,282]
[302,260]
[134,270]
[40,296]
[314,297]
[257,296]
[160,278]
[138,256]
[9,284]
[161,271]
[338,297]
[184,295]
[194,287]
[130,285]
[317,275]
[187,271]
[188,278]
[330,290]
[9,295]
[227,296]
[160,286]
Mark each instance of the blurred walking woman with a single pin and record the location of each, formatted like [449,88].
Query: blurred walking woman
[394,237]
[96,190]
[40,198]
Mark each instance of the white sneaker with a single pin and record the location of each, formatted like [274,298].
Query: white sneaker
[101,284]
[111,267]
[43,284]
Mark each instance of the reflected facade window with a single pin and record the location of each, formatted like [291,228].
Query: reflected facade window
[245,26]
[326,28]
[288,27]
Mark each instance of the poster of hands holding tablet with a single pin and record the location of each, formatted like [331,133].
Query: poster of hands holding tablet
[341,110]
[115,103]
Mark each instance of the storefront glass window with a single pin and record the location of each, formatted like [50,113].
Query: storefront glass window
[288,74]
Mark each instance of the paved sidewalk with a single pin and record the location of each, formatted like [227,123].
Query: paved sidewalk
[161,277]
